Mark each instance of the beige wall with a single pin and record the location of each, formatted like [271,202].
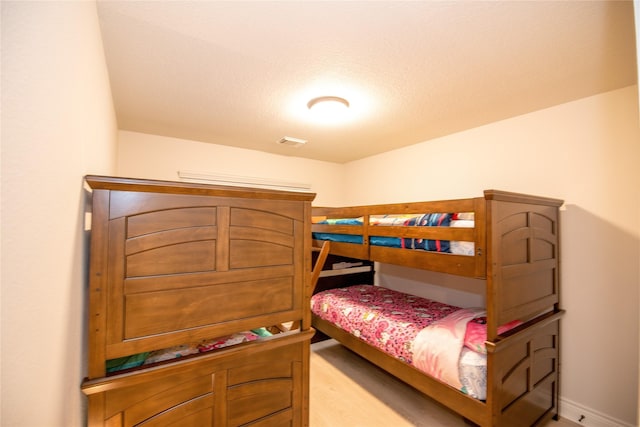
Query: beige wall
[156,157]
[586,153]
[57,125]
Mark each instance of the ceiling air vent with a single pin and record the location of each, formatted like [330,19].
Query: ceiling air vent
[292,142]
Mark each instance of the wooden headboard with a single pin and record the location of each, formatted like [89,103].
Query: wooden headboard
[177,263]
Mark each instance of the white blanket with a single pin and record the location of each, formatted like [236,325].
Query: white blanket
[437,348]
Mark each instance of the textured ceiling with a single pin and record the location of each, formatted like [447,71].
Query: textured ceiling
[240,73]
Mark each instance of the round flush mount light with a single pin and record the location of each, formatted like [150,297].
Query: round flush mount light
[328,108]
[328,102]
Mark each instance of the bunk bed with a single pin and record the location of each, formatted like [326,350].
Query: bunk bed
[193,292]
[510,242]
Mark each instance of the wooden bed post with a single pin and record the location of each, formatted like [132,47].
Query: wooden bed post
[97,298]
[480,243]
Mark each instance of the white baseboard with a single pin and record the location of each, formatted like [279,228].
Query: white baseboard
[588,417]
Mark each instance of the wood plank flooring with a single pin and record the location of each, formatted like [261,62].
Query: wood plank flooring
[348,391]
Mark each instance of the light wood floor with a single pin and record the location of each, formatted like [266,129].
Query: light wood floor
[347,391]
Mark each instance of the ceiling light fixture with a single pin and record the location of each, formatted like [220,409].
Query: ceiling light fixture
[328,108]
[334,101]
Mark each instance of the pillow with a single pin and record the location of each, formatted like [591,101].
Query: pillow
[342,221]
[464,216]
[221,342]
[171,353]
[429,220]
[396,219]
[476,334]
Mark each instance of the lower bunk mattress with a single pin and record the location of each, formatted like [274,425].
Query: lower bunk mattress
[442,340]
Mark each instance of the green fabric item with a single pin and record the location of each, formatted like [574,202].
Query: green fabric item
[126,362]
[262,332]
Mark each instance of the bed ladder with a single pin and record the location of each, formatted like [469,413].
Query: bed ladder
[323,252]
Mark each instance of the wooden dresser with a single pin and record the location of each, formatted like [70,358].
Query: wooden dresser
[174,263]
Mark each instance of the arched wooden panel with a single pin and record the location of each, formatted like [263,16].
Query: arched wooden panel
[525,242]
[252,253]
[164,399]
[170,219]
[254,218]
[529,371]
[184,257]
[258,399]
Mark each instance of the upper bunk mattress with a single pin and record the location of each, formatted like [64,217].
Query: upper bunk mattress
[465,220]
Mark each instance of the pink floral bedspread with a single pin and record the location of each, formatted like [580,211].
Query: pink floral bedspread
[427,334]
[384,318]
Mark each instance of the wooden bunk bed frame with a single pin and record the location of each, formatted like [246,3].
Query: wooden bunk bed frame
[174,263]
[516,246]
